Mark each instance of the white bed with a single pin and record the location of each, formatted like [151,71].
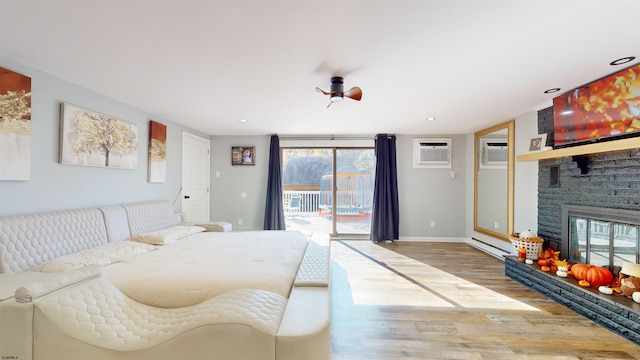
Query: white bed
[204,295]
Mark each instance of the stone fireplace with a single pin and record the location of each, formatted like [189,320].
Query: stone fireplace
[589,210]
[604,182]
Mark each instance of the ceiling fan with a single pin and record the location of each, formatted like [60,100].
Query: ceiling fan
[337,92]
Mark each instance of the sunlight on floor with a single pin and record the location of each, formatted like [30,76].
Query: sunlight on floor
[414,283]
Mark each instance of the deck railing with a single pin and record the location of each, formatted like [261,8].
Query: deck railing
[310,202]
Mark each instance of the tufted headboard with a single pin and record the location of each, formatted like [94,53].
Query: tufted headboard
[29,240]
[149,216]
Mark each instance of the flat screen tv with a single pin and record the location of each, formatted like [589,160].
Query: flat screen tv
[606,109]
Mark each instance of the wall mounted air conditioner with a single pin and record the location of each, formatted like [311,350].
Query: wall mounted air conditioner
[432,153]
[495,154]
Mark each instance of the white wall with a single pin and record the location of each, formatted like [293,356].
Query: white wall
[526,176]
[54,186]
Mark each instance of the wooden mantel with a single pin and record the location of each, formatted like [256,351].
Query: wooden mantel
[596,148]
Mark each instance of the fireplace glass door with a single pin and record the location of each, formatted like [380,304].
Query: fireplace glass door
[603,243]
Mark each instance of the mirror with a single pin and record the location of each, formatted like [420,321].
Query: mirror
[493,180]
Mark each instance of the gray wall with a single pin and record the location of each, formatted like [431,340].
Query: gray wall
[427,195]
[54,186]
[227,200]
[492,198]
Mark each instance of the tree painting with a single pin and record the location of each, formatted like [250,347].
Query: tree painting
[14,105]
[99,140]
[15,126]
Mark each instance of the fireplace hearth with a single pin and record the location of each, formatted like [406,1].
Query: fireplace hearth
[593,235]
[614,312]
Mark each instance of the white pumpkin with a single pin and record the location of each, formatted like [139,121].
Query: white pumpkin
[527,234]
[605,290]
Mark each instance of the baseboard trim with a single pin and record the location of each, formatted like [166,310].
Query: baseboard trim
[431,239]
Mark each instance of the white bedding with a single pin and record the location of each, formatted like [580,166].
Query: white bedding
[101,255]
[191,270]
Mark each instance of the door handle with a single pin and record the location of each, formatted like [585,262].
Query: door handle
[187,197]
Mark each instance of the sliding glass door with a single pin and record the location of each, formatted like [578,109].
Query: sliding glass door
[302,172]
[328,189]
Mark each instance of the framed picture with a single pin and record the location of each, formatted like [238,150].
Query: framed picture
[157,152]
[15,126]
[243,155]
[92,139]
[536,143]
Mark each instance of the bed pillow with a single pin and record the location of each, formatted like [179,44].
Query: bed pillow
[9,282]
[167,236]
[101,255]
[55,281]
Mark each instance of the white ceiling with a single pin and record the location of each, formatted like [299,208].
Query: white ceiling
[207,64]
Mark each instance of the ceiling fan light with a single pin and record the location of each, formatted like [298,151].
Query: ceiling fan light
[336,97]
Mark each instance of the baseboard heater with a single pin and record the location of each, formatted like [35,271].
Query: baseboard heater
[494,251]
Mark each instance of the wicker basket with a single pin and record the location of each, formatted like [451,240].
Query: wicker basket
[533,246]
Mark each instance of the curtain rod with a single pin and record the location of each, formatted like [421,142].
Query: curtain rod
[326,137]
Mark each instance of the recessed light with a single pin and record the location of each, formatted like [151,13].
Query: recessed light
[567,112]
[623,60]
[243,120]
[431,118]
[551,91]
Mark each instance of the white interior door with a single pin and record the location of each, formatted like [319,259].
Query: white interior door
[195,178]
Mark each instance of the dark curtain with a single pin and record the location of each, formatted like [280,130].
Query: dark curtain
[274,210]
[385,217]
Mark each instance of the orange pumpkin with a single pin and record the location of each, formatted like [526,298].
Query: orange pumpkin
[579,271]
[595,275]
[584,283]
[543,262]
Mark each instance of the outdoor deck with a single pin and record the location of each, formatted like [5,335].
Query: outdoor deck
[305,211]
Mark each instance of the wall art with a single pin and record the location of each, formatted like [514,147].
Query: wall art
[93,139]
[157,152]
[538,142]
[15,126]
[243,155]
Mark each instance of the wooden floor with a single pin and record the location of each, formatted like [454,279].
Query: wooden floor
[410,300]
